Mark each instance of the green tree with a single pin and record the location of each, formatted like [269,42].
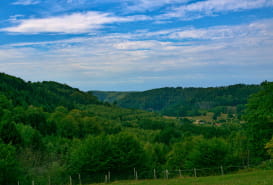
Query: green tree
[30,136]
[68,127]
[35,116]
[156,155]
[178,156]
[97,155]
[259,115]
[198,152]
[9,166]
[90,157]
[269,147]
[127,153]
[9,134]
[5,102]
[240,146]
[89,125]
[168,135]
[209,153]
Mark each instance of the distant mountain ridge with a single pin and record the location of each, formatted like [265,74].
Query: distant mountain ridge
[183,101]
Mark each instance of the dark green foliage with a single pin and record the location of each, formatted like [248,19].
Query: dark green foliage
[168,135]
[152,124]
[259,115]
[208,131]
[209,153]
[43,94]
[9,134]
[5,106]
[36,118]
[54,130]
[5,103]
[10,171]
[127,153]
[98,155]
[156,153]
[30,137]
[90,156]
[198,152]
[183,101]
[238,141]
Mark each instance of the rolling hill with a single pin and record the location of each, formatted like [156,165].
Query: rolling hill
[184,101]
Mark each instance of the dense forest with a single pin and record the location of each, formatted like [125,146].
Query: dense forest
[51,131]
[184,101]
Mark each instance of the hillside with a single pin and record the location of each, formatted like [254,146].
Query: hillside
[109,96]
[185,101]
[46,94]
[50,131]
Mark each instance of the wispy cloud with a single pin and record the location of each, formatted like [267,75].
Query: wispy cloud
[150,5]
[70,24]
[211,7]
[26,2]
[97,62]
[255,29]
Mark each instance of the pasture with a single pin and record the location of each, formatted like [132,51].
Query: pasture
[263,177]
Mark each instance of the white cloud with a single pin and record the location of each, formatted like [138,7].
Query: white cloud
[26,2]
[91,61]
[70,24]
[215,33]
[211,7]
[261,28]
[135,45]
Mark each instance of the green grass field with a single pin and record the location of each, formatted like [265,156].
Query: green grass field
[245,178]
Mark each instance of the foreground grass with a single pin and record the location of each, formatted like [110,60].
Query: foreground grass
[246,178]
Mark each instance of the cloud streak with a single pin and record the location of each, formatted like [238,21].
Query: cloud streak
[150,5]
[26,2]
[70,24]
[213,7]
[255,29]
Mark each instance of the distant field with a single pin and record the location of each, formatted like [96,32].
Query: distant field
[246,178]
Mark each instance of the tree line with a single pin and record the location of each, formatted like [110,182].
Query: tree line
[181,102]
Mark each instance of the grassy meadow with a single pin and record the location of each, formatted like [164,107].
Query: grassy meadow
[264,177]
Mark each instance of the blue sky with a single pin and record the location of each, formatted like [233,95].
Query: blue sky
[126,45]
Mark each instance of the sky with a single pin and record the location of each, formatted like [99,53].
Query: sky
[136,45]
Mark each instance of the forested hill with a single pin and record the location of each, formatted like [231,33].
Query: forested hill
[52,131]
[46,94]
[110,96]
[184,101]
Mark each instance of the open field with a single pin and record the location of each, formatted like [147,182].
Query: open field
[246,178]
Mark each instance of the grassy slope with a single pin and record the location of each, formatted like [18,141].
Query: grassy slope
[247,178]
